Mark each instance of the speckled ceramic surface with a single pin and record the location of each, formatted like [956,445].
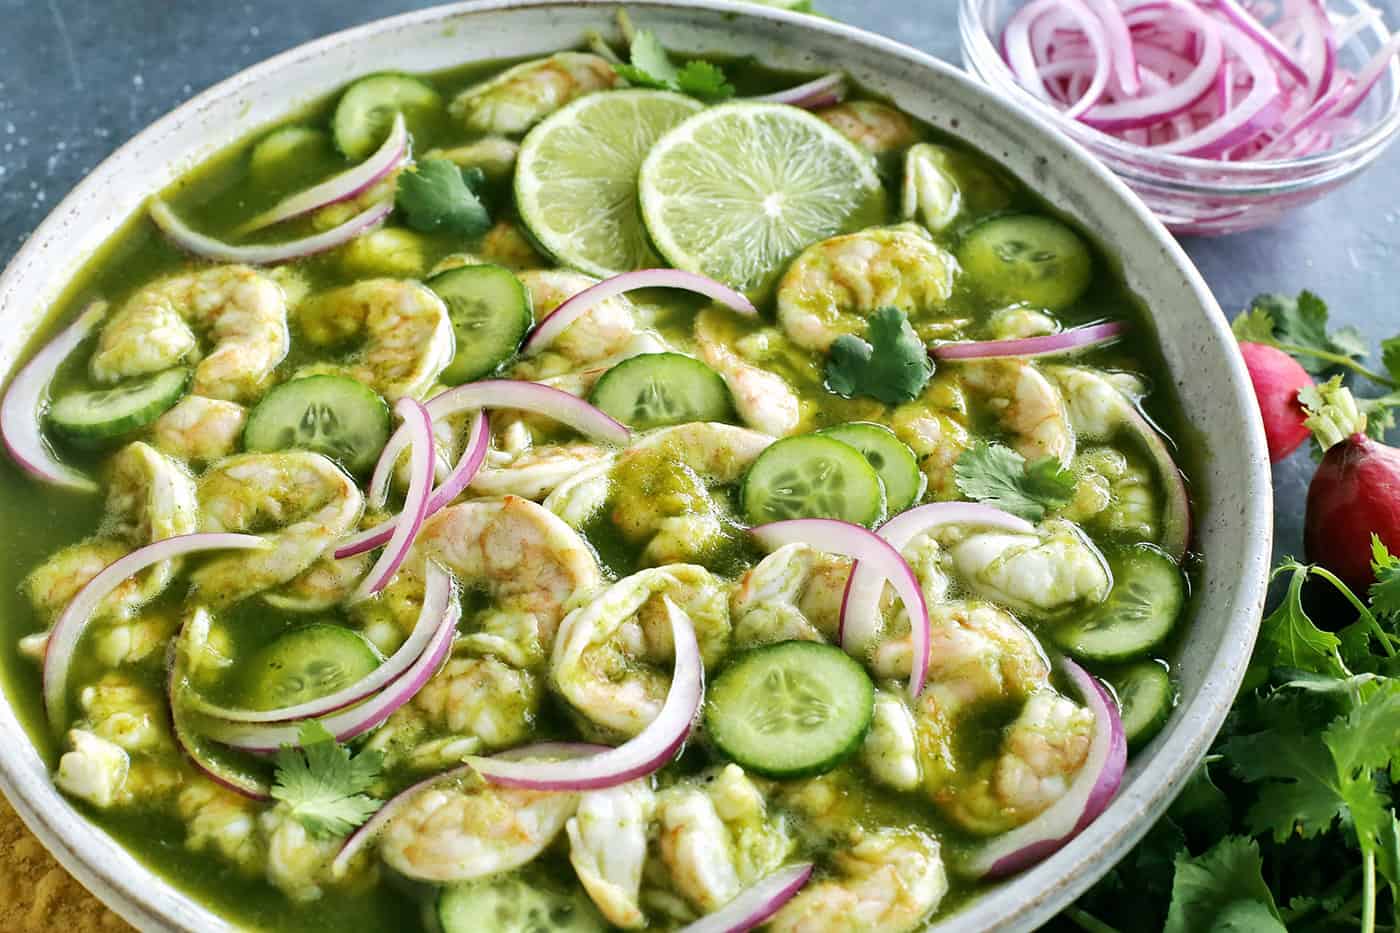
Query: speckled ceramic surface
[1232,491]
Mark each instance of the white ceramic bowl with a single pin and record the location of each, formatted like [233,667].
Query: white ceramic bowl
[1232,491]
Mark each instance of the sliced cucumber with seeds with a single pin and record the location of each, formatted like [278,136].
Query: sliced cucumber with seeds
[286,151]
[308,663]
[490,311]
[892,459]
[366,111]
[656,389]
[105,414]
[1146,696]
[1138,615]
[790,710]
[813,477]
[332,415]
[1027,258]
[513,905]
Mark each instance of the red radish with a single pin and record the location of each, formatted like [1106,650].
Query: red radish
[1277,378]
[1354,494]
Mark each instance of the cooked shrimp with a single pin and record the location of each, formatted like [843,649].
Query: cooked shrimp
[1030,408]
[298,862]
[1093,404]
[528,560]
[1116,493]
[309,500]
[609,659]
[405,328]
[512,102]
[94,770]
[836,284]
[241,311]
[447,834]
[887,881]
[481,697]
[602,333]
[608,848]
[977,652]
[494,155]
[200,430]
[535,472]
[134,640]
[1044,572]
[663,481]
[793,593]
[890,751]
[578,499]
[1019,321]
[931,193]
[324,585]
[221,821]
[763,399]
[878,128]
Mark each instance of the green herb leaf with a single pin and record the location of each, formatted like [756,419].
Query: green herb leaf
[1289,638]
[652,67]
[1390,357]
[1208,888]
[999,476]
[892,366]
[323,786]
[1385,592]
[1302,323]
[435,197]
[1254,325]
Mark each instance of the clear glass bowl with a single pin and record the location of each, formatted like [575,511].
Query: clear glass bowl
[1202,196]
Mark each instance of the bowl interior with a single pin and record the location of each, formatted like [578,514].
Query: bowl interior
[1231,488]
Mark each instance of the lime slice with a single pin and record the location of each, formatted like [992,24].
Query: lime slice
[736,192]
[576,178]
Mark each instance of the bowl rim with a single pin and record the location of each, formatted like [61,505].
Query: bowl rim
[128,885]
[1260,179]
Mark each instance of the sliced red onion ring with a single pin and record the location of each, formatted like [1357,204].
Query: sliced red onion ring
[1176,511]
[419,425]
[473,456]
[1016,45]
[348,184]
[266,738]
[868,548]
[755,904]
[20,411]
[1026,347]
[501,393]
[187,238]
[1250,25]
[1369,77]
[578,305]
[73,621]
[1259,109]
[1172,99]
[648,751]
[1120,44]
[367,833]
[860,604]
[819,92]
[436,597]
[1099,42]
[1088,795]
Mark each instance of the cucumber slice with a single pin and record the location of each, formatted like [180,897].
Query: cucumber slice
[490,311]
[657,389]
[283,155]
[1027,258]
[1147,596]
[366,111]
[332,415]
[308,663]
[813,477]
[790,710]
[1146,696]
[104,414]
[891,458]
[512,905]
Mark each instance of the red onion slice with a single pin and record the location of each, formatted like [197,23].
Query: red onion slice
[1120,44]
[419,425]
[641,755]
[514,394]
[868,548]
[1077,338]
[1171,99]
[187,238]
[348,184]
[20,411]
[755,904]
[1088,795]
[473,456]
[266,738]
[1369,77]
[1250,25]
[68,630]
[436,596]
[819,92]
[860,604]
[578,305]
[367,832]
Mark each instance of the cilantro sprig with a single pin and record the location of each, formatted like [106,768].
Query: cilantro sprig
[999,476]
[650,66]
[436,196]
[891,364]
[323,785]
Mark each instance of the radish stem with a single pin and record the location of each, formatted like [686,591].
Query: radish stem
[1371,622]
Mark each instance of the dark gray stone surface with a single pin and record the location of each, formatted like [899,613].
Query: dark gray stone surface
[79,77]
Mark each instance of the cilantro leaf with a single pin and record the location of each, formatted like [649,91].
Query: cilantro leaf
[1390,357]
[1289,638]
[435,197]
[323,786]
[1245,916]
[999,476]
[1253,325]
[1301,324]
[892,366]
[1208,888]
[1298,789]
[1385,592]
[650,66]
